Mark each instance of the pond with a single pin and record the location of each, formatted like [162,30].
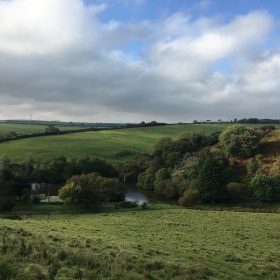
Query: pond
[133,194]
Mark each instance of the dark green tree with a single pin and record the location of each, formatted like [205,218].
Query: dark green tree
[213,175]
[239,141]
[89,190]
[262,186]
[146,179]
[6,185]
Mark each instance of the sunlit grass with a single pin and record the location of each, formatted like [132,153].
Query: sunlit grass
[151,244]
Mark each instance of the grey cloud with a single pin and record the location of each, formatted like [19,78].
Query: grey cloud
[92,77]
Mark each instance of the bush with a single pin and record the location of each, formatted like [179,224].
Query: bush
[130,171]
[253,166]
[163,185]
[262,186]
[238,190]
[239,141]
[170,152]
[146,179]
[190,197]
[128,204]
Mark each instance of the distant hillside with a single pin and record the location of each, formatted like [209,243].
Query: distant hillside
[26,128]
[116,146]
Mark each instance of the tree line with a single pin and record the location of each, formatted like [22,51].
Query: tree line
[195,168]
[16,179]
[201,169]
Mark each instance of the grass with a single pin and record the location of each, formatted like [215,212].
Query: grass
[28,128]
[161,243]
[115,146]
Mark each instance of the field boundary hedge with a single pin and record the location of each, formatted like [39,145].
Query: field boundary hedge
[72,131]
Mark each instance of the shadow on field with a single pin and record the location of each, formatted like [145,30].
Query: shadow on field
[48,210]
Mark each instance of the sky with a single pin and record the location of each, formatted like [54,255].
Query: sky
[139,60]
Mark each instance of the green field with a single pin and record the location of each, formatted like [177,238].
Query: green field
[28,128]
[116,146]
[152,244]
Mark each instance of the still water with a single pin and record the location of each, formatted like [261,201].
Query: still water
[135,195]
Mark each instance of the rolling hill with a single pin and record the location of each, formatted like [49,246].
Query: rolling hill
[28,128]
[115,146]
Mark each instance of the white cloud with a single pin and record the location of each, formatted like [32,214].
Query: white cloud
[44,26]
[58,60]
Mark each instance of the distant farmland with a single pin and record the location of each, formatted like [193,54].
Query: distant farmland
[28,128]
[116,146]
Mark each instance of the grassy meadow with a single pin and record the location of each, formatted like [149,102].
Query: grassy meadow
[28,128]
[142,244]
[115,146]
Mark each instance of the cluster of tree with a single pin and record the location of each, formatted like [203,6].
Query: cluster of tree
[192,169]
[90,189]
[16,178]
[152,123]
[239,141]
[200,168]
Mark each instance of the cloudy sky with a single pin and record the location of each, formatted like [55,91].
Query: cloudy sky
[134,60]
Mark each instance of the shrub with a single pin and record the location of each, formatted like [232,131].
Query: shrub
[252,166]
[262,186]
[238,141]
[190,197]
[171,152]
[128,204]
[146,179]
[238,190]
[163,185]
[130,171]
